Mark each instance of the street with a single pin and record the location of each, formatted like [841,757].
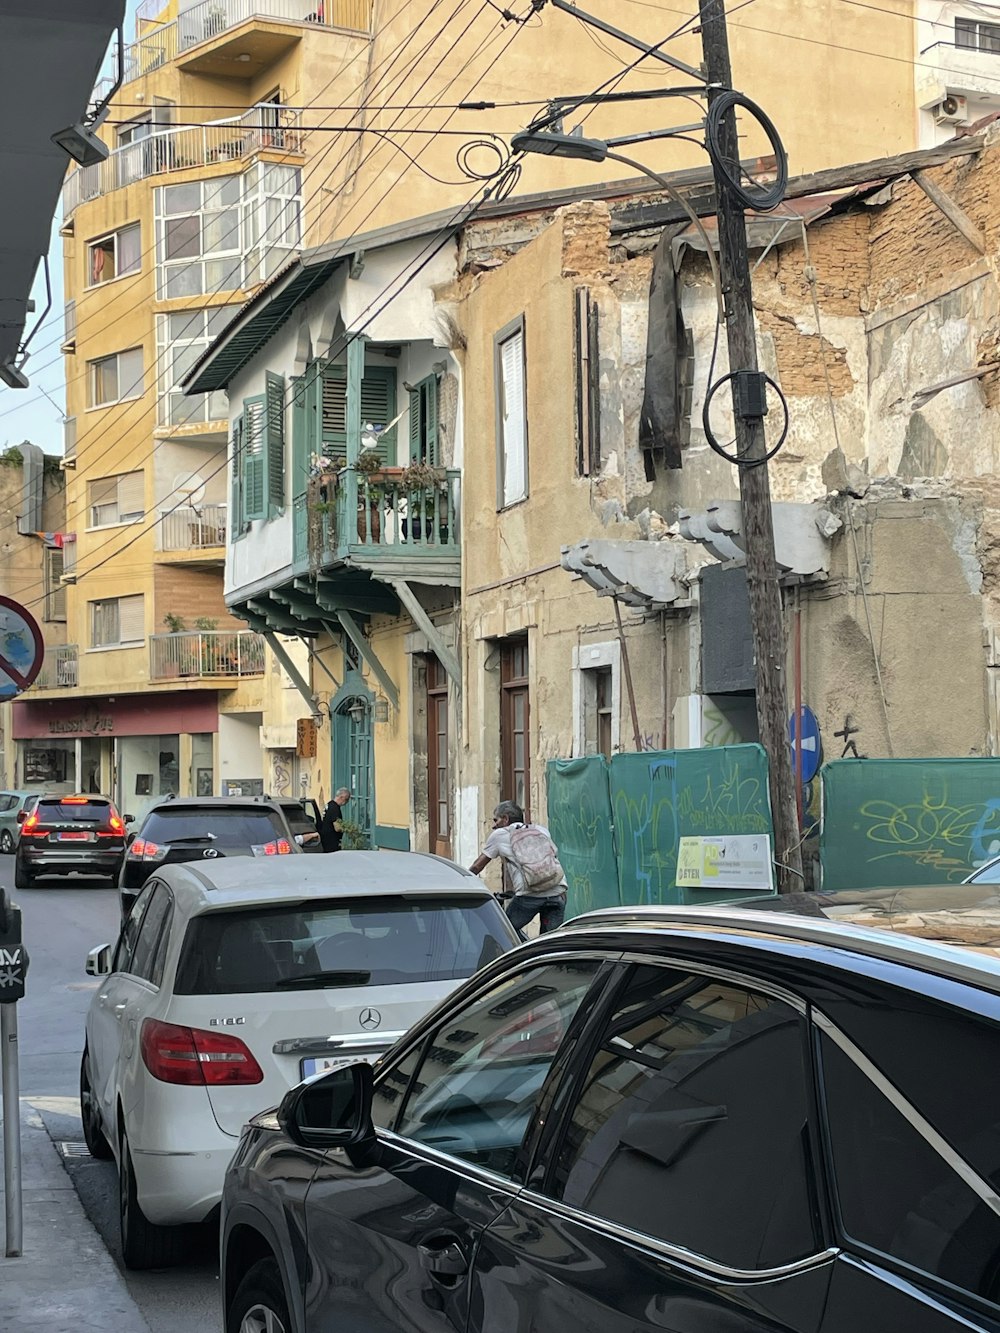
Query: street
[62,921]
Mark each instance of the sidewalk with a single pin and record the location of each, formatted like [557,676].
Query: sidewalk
[65,1282]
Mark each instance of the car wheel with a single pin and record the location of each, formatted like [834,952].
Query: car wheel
[97,1144]
[23,878]
[6,842]
[144,1244]
[260,1305]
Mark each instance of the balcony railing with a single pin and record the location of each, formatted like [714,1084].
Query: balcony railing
[357,515]
[166,150]
[59,669]
[190,529]
[206,653]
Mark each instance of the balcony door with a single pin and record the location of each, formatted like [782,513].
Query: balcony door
[438,761]
[515,720]
[354,754]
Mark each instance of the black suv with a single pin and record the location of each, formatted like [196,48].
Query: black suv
[303,819]
[184,828]
[63,834]
[654,1118]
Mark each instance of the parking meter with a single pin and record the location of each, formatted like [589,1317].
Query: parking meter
[13,956]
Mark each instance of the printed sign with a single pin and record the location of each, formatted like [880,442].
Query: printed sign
[741,862]
[21,648]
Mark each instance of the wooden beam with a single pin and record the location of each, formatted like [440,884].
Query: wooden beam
[353,631]
[431,632]
[276,618]
[958,219]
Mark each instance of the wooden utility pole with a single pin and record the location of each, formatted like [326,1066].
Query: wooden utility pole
[766,611]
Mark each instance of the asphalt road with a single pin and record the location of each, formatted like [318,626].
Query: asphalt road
[62,921]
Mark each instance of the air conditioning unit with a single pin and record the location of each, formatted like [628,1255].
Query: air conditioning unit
[953,110]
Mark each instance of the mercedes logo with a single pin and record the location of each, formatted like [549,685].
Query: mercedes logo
[370,1018]
[210,852]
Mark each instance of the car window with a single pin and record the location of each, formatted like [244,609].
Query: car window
[130,931]
[151,932]
[481,1073]
[299,820]
[694,1106]
[234,826]
[356,942]
[989,874]
[897,1193]
[7,802]
[64,812]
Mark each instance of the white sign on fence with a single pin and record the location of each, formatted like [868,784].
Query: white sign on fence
[725,863]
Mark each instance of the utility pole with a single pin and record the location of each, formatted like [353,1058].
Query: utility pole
[766,611]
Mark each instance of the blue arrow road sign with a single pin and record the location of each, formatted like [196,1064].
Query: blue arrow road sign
[809,743]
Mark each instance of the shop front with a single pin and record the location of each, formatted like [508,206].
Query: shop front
[136,749]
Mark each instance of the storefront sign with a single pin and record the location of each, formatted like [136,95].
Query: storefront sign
[148,714]
[742,862]
[89,723]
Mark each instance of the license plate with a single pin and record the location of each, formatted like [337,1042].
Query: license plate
[324,1063]
[74,837]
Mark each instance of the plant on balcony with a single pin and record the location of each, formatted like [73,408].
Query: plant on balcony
[174,624]
[369,470]
[423,484]
[206,624]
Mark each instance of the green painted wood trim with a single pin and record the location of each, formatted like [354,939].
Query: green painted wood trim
[393,839]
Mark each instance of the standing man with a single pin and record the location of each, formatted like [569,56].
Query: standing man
[331,829]
[532,862]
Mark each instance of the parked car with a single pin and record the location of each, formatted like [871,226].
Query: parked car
[15,806]
[988,873]
[653,1118]
[203,828]
[63,834]
[234,979]
[303,818]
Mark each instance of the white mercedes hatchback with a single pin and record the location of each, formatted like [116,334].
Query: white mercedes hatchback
[231,982]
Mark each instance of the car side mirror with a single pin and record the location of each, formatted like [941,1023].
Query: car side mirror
[99,961]
[130,819]
[332,1111]
[22,815]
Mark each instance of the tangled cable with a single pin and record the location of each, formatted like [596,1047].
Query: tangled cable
[760,198]
[493,144]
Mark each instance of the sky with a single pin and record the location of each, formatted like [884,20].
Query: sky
[36,413]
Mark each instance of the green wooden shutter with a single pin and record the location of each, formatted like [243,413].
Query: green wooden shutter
[236,479]
[254,417]
[300,465]
[333,411]
[431,409]
[378,405]
[274,442]
[424,421]
[416,434]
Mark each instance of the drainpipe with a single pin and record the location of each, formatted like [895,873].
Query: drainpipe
[628,677]
[798,703]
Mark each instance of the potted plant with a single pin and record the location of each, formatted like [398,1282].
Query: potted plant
[369,468]
[422,483]
[174,624]
[354,838]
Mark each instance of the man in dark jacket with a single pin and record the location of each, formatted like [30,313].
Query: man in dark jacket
[331,831]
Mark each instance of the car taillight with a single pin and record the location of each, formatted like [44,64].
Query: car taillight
[29,825]
[282,847]
[193,1056]
[141,850]
[116,824]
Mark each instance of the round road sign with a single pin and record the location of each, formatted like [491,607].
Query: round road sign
[808,743]
[21,648]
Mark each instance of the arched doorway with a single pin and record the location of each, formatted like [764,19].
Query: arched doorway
[353,764]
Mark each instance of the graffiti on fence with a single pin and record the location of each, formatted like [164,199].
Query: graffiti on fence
[579,814]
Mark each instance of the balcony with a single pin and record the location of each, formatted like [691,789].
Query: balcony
[379,524]
[239,137]
[193,535]
[59,669]
[946,67]
[206,654]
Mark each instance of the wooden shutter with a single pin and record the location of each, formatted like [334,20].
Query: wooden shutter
[378,405]
[274,441]
[300,435]
[55,589]
[333,409]
[512,417]
[254,416]
[131,496]
[235,524]
[131,619]
[416,434]
[424,421]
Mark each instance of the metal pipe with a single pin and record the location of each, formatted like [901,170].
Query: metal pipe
[11,1129]
[798,704]
[637,734]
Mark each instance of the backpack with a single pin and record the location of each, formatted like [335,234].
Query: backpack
[535,855]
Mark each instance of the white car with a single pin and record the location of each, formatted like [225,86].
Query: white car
[232,981]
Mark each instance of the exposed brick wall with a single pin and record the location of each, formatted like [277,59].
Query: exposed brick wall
[190,593]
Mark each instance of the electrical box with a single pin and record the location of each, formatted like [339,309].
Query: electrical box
[13,956]
[305,738]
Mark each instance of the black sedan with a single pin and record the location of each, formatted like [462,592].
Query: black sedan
[696,1120]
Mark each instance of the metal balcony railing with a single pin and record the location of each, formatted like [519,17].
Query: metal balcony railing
[191,529]
[265,126]
[210,653]
[59,669]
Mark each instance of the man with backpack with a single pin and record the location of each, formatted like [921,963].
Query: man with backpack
[532,863]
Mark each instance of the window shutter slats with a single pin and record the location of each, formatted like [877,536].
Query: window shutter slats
[254,491]
[431,408]
[274,441]
[131,495]
[236,477]
[513,418]
[104,491]
[415,432]
[131,619]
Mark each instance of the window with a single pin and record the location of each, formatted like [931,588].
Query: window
[181,339]
[130,930]
[114,379]
[974,35]
[116,499]
[117,621]
[898,1192]
[482,1072]
[378,405]
[148,957]
[228,232]
[438,779]
[375,941]
[694,1106]
[512,421]
[424,422]
[262,451]
[588,385]
[52,762]
[55,592]
[515,762]
[114,256]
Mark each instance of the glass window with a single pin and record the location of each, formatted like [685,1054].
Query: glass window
[49,761]
[691,1125]
[117,620]
[181,339]
[130,931]
[116,378]
[897,1194]
[114,256]
[483,1070]
[377,941]
[392,1087]
[151,933]
[74,812]
[118,499]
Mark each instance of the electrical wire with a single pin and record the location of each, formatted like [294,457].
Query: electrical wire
[761,199]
